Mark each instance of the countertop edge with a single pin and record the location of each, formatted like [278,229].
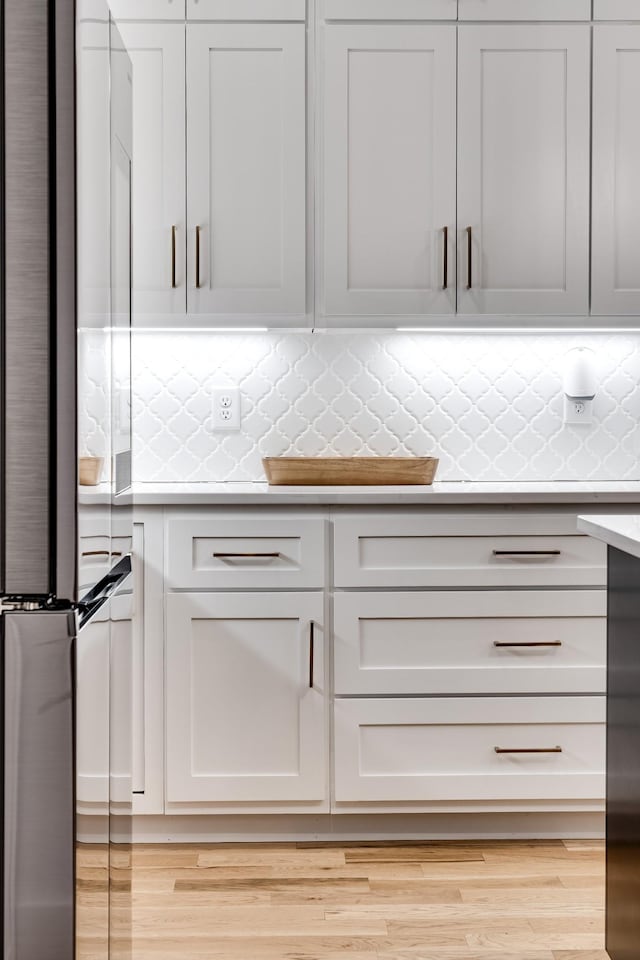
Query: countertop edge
[621,532]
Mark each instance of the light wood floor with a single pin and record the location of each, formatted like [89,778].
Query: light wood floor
[427,901]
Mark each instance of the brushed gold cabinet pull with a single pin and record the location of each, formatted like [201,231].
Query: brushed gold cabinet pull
[528,749]
[528,643]
[254,556]
[311,651]
[96,553]
[469,262]
[445,259]
[197,257]
[173,257]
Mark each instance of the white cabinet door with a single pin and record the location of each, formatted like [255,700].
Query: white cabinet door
[245,698]
[615,268]
[246,148]
[158,171]
[616,10]
[389,171]
[92,716]
[523,169]
[524,9]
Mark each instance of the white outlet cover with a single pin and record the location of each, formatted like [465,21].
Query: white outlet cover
[578,411]
[225,409]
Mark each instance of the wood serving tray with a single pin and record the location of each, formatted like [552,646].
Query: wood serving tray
[349,471]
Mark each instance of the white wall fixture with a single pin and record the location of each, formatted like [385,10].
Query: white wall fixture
[580,385]
[225,413]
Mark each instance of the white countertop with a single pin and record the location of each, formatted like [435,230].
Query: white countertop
[440,493]
[621,531]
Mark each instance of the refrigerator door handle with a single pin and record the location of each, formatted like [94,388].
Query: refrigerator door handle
[96,598]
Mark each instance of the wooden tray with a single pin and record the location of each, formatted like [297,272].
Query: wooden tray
[349,471]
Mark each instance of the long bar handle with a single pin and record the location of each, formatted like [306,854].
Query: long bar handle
[528,749]
[197,257]
[311,652]
[531,643]
[527,553]
[263,556]
[445,258]
[173,257]
[469,259]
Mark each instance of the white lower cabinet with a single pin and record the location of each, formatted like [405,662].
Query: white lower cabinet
[245,698]
[471,749]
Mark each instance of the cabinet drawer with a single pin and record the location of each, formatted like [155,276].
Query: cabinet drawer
[525,9]
[389,9]
[423,750]
[235,10]
[381,552]
[153,10]
[246,552]
[464,643]
[616,10]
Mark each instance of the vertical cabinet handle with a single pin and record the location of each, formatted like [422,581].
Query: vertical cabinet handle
[311,657]
[469,259]
[173,257]
[198,257]
[445,258]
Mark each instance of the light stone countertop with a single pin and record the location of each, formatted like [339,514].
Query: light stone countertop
[440,493]
[621,531]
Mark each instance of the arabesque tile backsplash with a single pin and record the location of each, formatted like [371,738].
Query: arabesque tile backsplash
[489,405]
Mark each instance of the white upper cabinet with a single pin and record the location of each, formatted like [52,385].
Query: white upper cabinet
[615,243]
[148,10]
[246,10]
[389,191]
[388,9]
[246,173]
[525,9]
[523,169]
[158,171]
[616,10]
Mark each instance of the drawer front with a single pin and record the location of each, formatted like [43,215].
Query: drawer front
[445,750]
[525,9]
[465,643]
[404,552]
[389,9]
[616,10]
[262,552]
[238,10]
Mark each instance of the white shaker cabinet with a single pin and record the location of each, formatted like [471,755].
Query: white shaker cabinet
[158,171]
[523,169]
[246,173]
[245,698]
[525,9]
[246,10]
[615,265]
[389,172]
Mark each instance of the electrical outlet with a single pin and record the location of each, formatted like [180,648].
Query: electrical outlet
[578,411]
[225,411]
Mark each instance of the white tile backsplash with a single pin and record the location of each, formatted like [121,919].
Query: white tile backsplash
[489,405]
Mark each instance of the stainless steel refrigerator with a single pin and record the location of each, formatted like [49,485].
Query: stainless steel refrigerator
[65,550]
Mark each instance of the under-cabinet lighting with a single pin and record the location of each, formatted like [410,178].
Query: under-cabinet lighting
[573,331]
[135,329]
